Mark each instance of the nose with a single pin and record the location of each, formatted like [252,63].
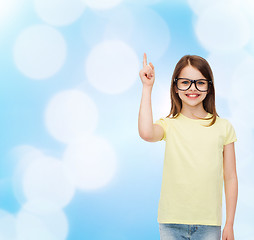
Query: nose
[193,87]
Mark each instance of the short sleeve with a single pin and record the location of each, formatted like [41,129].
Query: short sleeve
[230,133]
[164,124]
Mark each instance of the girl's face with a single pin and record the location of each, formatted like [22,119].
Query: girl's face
[191,73]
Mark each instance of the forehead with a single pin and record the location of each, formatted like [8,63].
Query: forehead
[190,72]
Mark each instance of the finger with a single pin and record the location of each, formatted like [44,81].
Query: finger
[148,70]
[144,60]
[150,64]
[150,74]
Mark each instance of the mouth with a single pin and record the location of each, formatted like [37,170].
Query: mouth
[192,96]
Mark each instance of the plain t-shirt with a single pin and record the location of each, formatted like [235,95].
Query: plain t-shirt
[192,179]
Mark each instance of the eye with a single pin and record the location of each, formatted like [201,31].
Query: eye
[201,82]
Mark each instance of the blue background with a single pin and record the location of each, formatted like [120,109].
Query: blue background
[125,206]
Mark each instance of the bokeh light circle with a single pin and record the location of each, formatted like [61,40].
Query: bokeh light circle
[39,51]
[45,180]
[112,67]
[242,88]
[222,65]
[102,4]
[228,31]
[90,162]
[70,114]
[53,226]
[59,12]
[7,226]
[24,156]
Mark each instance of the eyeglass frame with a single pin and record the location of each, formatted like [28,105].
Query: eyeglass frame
[193,81]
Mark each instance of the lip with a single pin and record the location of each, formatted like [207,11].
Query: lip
[192,97]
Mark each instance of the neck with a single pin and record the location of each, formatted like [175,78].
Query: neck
[194,112]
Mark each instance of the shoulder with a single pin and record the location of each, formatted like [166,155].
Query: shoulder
[228,131]
[220,120]
[223,121]
[165,122]
[166,119]
[162,121]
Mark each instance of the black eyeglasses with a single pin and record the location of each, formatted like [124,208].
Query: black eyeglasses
[184,84]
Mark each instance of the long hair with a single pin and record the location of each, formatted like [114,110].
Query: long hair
[209,102]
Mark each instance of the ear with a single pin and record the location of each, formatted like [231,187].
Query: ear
[176,90]
[209,90]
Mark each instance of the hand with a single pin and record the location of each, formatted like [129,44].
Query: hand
[147,74]
[228,232]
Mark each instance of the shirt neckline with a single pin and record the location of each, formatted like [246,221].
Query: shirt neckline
[208,115]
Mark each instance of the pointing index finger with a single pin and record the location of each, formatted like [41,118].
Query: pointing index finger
[144,60]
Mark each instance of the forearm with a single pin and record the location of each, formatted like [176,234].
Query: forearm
[231,194]
[145,120]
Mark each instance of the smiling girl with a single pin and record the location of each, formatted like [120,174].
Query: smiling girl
[199,154]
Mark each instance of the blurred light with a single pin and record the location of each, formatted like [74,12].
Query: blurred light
[90,162]
[59,12]
[199,6]
[242,88]
[24,155]
[222,65]
[7,226]
[71,114]
[112,67]
[53,226]
[40,51]
[101,4]
[7,8]
[228,31]
[150,34]
[45,184]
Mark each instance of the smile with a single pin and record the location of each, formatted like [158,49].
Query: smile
[193,96]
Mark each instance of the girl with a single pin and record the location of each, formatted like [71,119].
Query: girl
[199,154]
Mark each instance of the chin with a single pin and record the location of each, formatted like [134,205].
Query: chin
[191,102]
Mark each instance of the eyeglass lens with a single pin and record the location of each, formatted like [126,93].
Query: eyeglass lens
[184,84]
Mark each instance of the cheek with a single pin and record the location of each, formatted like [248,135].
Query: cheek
[203,96]
[181,95]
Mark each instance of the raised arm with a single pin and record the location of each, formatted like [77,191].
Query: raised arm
[147,130]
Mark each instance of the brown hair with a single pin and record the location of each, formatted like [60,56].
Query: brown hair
[209,102]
